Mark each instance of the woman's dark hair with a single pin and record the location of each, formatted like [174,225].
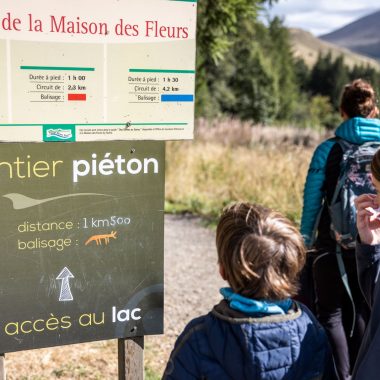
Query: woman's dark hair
[358,99]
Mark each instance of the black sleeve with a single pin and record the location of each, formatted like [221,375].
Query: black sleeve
[324,239]
[368,263]
[332,171]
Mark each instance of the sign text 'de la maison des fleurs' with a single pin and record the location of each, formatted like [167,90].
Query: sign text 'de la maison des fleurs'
[104,70]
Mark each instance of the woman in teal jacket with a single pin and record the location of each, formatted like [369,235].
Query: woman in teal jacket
[333,305]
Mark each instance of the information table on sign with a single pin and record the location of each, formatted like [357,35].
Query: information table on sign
[124,71]
[45,88]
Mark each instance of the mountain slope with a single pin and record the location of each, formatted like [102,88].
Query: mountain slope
[361,36]
[307,47]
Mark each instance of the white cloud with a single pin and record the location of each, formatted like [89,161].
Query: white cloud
[321,16]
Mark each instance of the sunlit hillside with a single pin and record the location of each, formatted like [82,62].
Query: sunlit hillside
[307,47]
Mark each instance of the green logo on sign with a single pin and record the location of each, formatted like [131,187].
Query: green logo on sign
[56,132]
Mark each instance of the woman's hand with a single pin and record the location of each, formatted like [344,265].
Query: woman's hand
[367,220]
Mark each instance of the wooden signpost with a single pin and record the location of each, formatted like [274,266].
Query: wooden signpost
[3,374]
[83,216]
[131,358]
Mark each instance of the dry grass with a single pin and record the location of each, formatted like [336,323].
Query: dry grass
[231,161]
[90,361]
[203,177]
[233,132]
[97,360]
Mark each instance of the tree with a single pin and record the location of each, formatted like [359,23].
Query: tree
[328,77]
[339,77]
[249,76]
[218,22]
[367,73]
[256,80]
[283,63]
[318,84]
[302,73]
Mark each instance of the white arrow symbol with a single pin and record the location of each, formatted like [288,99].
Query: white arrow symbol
[65,294]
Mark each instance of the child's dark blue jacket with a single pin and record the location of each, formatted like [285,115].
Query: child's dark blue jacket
[226,344]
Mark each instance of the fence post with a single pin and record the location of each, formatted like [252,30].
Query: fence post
[2,367]
[131,358]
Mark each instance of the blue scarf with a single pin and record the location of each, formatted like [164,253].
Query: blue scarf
[255,308]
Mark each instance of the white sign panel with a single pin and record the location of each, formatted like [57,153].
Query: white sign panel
[97,70]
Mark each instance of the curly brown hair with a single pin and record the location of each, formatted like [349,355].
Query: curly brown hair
[358,99]
[261,252]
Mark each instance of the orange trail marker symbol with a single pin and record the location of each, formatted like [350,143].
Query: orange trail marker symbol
[98,238]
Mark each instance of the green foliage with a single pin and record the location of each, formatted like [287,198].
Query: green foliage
[367,73]
[302,74]
[328,78]
[218,25]
[283,65]
[248,84]
[151,375]
[217,21]
[257,80]
[322,87]
[323,113]
[314,112]
[246,69]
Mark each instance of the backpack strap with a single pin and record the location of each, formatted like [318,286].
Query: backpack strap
[345,145]
[343,276]
[313,237]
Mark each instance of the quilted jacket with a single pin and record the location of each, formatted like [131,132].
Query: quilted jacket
[226,344]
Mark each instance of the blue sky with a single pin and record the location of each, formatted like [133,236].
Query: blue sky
[321,16]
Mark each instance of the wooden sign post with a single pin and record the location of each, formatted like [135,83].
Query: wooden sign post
[3,374]
[131,358]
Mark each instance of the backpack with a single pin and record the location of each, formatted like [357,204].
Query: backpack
[354,180]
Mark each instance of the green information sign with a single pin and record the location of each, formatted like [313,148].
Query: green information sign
[82,242]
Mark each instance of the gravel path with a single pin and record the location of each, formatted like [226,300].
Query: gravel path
[191,288]
[192,282]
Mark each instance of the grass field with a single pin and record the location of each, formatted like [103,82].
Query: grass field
[263,165]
